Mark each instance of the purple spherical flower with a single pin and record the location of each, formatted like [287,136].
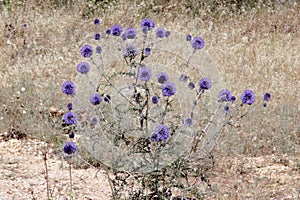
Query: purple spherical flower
[83,67]
[144,74]
[155,99]
[130,51]
[70,118]
[160,32]
[98,49]
[265,105]
[197,43]
[97,22]
[267,96]
[161,133]
[205,83]
[147,25]
[168,89]
[226,109]
[95,99]
[97,36]
[248,97]
[188,121]
[162,77]
[68,88]
[233,99]
[108,31]
[70,148]
[224,95]
[147,51]
[86,51]
[70,106]
[191,85]
[116,30]
[130,33]
[188,37]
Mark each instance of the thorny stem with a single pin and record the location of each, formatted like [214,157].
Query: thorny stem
[46,175]
[71,187]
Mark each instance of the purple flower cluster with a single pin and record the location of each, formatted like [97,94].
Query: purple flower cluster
[147,25]
[95,99]
[83,67]
[86,51]
[144,74]
[68,88]
[70,118]
[130,33]
[161,133]
[168,89]
[225,95]
[197,43]
[130,51]
[116,30]
[70,148]
[205,83]
[248,97]
[162,77]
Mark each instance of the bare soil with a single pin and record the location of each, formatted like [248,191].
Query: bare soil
[22,176]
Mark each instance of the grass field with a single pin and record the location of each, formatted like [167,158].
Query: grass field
[254,47]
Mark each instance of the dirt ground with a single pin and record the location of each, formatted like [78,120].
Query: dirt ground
[22,176]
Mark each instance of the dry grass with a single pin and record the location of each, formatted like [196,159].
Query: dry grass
[255,49]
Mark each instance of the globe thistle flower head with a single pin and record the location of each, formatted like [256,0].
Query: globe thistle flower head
[197,43]
[95,99]
[168,89]
[130,33]
[130,51]
[265,105]
[248,97]
[226,109]
[155,99]
[147,51]
[224,95]
[161,133]
[144,74]
[160,32]
[25,25]
[108,31]
[98,50]
[83,67]
[97,22]
[71,134]
[97,36]
[70,118]
[233,99]
[68,88]
[205,83]
[188,37]
[86,51]
[70,106]
[70,148]
[116,30]
[191,85]
[147,25]
[162,77]
[188,121]
[267,96]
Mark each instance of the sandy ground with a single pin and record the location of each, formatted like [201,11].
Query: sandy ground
[22,176]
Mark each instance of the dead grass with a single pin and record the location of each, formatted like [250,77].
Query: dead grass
[257,49]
